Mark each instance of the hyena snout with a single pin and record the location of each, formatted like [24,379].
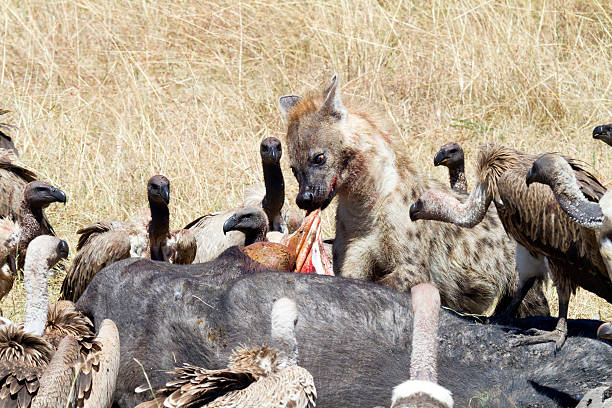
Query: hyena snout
[305,200]
[312,197]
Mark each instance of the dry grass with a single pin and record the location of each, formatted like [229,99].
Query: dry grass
[105,94]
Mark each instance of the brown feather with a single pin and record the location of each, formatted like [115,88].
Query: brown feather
[532,216]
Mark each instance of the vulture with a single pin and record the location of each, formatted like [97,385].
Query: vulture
[302,251]
[532,216]
[208,228]
[105,242]
[30,372]
[422,389]
[9,234]
[37,195]
[6,141]
[603,133]
[554,170]
[255,377]
[451,156]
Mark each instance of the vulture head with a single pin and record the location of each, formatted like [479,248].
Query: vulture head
[271,150]
[39,194]
[603,133]
[550,169]
[158,190]
[449,155]
[251,221]
[47,249]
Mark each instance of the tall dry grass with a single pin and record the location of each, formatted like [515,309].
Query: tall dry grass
[105,94]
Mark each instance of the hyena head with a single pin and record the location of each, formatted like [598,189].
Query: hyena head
[315,145]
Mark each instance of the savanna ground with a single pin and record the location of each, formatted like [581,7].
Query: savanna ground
[106,94]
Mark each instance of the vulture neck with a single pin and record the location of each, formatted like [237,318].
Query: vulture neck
[36,277]
[283,339]
[159,228]
[272,202]
[458,182]
[584,212]
[30,221]
[423,359]
[252,236]
[445,207]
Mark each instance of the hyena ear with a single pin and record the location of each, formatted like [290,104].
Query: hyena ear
[333,105]
[287,103]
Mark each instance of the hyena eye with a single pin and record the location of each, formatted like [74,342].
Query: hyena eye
[319,159]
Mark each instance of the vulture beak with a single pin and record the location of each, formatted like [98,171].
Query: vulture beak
[63,249]
[439,158]
[229,224]
[530,177]
[415,209]
[274,155]
[605,331]
[599,131]
[165,193]
[59,195]
[307,244]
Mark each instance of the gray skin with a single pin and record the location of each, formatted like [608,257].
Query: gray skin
[355,337]
[603,133]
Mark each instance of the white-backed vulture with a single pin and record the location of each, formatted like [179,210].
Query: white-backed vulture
[603,133]
[6,141]
[532,217]
[422,389]
[25,352]
[37,195]
[554,171]
[301,252]
[451,156]
[260,377]
[9,235]
[105,242]
[208,229]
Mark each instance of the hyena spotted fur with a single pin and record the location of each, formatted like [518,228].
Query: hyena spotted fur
[336,151]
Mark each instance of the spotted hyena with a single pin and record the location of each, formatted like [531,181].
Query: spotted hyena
[346,153]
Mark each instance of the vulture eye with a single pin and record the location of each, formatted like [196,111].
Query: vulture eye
[453,151]
[319,159]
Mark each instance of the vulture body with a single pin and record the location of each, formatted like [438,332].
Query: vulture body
[27,354]
[532,216]
[6,141]
[260,377]
[554,170]
[105,242]
[208,229]
[354,336]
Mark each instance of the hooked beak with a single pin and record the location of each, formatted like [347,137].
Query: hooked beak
[63,249]
[530,177]
[229,224]
[415,209]
[439,158]
[599,131]
[58,195]
[165,193]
